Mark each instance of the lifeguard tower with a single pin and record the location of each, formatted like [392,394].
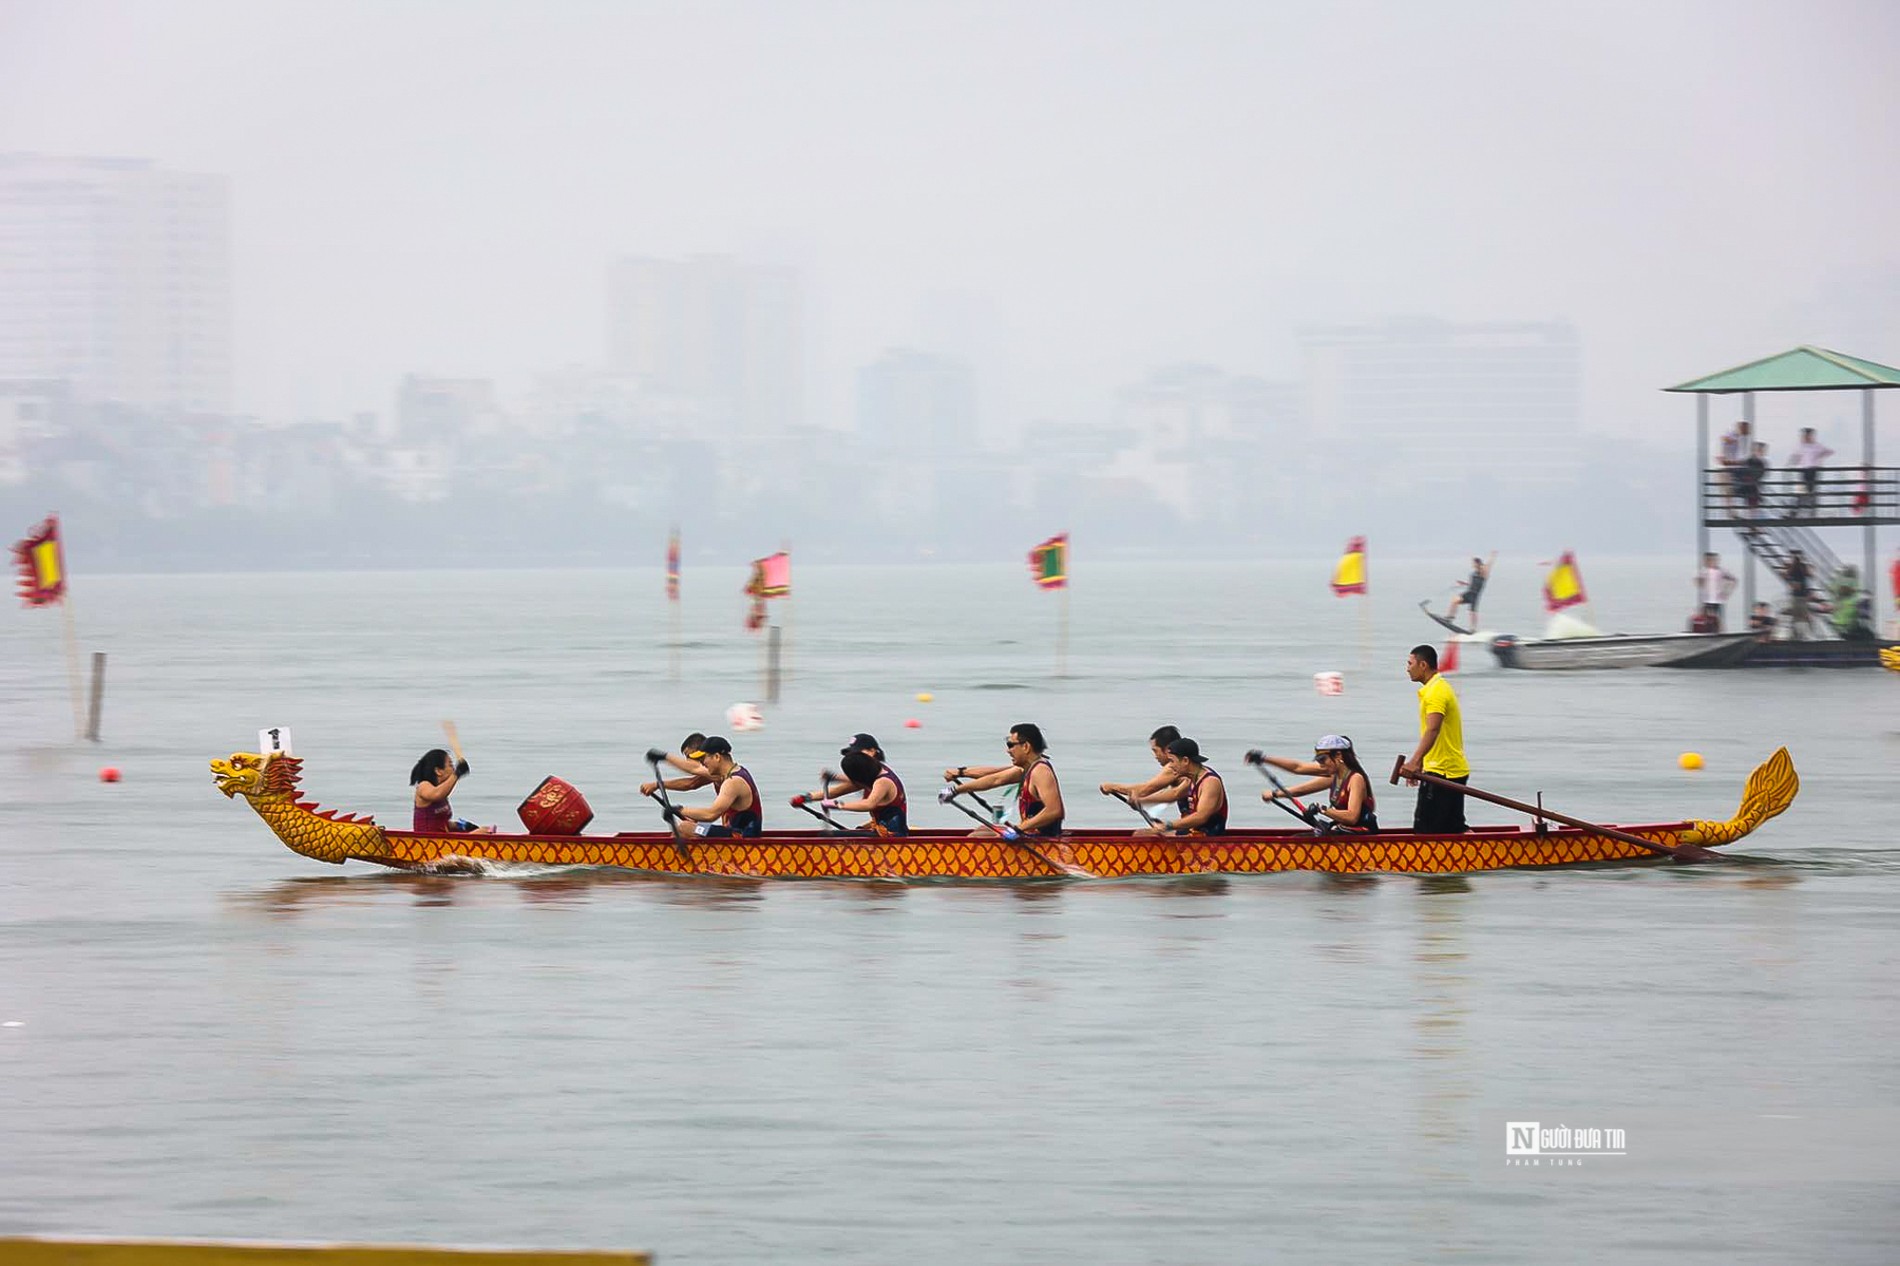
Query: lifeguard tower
[1787,517]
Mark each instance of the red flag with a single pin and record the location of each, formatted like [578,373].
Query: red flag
[42,563]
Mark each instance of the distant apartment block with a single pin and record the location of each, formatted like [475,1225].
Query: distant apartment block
[720,338]
[916,404]
[115,278]
[1448,402]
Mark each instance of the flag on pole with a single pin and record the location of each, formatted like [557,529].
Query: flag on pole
[1563,587]
[673,566]
[771,578]
[1049,562]
[1350,575]
[42,564]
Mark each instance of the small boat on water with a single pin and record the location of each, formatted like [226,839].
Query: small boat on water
[271,785]
[1624,650]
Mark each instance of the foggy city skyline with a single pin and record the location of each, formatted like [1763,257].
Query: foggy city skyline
[1166,250]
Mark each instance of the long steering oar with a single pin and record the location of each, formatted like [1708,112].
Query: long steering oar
[1312,817]
[1011,835]
[667,810]
[1682,853]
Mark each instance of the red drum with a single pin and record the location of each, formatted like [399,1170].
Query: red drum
[555,808]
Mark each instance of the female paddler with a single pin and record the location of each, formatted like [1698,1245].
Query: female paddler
[1039,802]
[883,793]
[1349,805]
[434,777]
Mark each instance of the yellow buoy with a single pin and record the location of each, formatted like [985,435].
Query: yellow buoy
[1690,760]
[925,696]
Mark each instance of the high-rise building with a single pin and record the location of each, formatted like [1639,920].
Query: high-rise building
[115,277]
[915,404]
[1445,401]
[720,336]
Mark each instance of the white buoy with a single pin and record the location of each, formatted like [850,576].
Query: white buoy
[1329,683]
[745,717]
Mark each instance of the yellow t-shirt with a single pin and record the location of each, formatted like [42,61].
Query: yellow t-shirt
[1447,755]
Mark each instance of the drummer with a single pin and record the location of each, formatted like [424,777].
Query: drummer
[1039,802]
[434,777]
[736,808]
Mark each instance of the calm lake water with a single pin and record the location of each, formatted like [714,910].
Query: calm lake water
[207,1035]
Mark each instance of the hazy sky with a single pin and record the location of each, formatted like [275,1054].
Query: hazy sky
[1096,188]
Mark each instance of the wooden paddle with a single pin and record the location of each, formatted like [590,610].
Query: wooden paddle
[824,815]
[455,742]
[1011,835]
[1135,804]
[1682,853]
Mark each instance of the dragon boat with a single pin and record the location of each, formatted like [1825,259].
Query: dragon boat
[271,786]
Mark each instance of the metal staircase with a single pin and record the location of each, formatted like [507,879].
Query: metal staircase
[1775,536]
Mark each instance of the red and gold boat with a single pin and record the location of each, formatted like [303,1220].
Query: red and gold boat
[271,785]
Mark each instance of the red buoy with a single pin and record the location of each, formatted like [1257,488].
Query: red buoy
[109,773]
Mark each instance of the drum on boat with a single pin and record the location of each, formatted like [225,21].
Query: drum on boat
[556,807]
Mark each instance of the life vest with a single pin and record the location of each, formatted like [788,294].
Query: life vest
[1029,804]
[1216,825]
[751,819]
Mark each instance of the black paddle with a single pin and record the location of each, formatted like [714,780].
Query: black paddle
[824,815]
[1312,817]
[1682,853]
[1010,834]
[667,811]
[1135,804]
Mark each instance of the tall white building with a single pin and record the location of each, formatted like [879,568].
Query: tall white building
[1445,402]
[916,404]
[719,336]
[115,278]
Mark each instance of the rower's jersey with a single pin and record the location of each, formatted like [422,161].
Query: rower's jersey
[1342,800]
[433,819]
[1216,825]
[895,816]
[751,819]
[1029,804]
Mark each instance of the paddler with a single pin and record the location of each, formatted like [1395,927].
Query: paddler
[1350,804]
[735,810]
[694,774]
[883,796]
[1196,788]
[1039,802]
[1440,750]
[1138,793]
[434,777]
[833,784]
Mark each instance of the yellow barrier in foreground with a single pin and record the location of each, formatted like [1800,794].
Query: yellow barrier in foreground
[30,1251]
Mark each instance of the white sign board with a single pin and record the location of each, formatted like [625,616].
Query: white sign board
[274,742]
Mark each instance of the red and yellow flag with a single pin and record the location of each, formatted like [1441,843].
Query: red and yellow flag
[1350,575]
[1563,587]
[1049,562]
[42,564]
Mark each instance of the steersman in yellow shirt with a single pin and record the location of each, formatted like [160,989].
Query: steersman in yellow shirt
[1441,747]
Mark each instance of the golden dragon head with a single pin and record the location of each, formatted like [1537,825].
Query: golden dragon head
[257,777]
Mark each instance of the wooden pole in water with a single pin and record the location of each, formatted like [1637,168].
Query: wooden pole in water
[1062,635]
[673,641]
[98,694]
[772,641]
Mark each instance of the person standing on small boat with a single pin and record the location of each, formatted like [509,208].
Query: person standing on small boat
[1441,747]
[1194,786]
[883,796]
[1039,802]
[735,810]
[1158,748]
[1350,804]
[434,777]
